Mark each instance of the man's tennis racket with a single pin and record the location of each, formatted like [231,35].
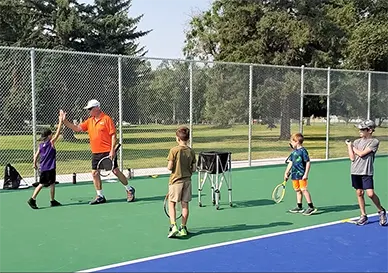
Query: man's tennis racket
[279,192]
[106,165]
[178,208]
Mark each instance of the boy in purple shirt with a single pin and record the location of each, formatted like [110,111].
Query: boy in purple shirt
[47,164]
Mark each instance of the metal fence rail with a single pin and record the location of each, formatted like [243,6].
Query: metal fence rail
[247,109]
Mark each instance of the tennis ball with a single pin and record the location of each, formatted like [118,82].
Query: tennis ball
[154,176]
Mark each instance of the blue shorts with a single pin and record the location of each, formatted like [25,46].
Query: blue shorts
[362,182]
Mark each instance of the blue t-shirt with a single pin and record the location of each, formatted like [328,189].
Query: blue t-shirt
[47,156]
[299,158]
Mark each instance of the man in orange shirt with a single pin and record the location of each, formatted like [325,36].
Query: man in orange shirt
[102,135]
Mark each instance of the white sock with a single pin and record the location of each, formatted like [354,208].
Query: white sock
[128,187]
[99,193]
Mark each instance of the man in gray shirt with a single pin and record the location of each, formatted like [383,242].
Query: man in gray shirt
[362,154]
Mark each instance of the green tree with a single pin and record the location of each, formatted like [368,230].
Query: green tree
[110,30]
[227,94]
[271,32]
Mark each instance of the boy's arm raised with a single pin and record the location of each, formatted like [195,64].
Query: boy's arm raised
[61,117]
[75,128]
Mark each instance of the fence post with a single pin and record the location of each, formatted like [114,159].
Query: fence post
[191,102]
[33,106]
[301,99]
[328,114]
[250,116]
[369,93]
[120,113]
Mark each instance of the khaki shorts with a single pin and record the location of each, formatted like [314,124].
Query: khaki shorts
[180,191]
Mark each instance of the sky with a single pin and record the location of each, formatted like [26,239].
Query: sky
[168,19]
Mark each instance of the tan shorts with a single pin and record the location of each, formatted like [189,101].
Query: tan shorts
[180,191]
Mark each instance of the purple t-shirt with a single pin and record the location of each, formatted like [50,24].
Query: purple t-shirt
[47,156]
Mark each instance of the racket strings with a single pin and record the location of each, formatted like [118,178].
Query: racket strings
[278,192]
[178,209]
[105,166]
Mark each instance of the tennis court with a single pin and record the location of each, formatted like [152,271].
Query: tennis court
[254,235]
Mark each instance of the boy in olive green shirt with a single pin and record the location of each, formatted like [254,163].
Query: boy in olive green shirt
[181,163]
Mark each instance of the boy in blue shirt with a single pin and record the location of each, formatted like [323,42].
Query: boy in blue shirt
[298,168]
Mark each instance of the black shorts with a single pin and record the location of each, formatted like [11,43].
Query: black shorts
[362,182]
[47,178]
[98,156]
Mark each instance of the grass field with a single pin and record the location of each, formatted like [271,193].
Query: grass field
[147,146]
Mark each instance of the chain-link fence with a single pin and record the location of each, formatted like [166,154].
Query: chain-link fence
[247,109]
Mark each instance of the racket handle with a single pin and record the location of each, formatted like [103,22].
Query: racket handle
[118,147]
[74,178]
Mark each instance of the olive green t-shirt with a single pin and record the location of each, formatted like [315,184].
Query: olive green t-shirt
[184,159]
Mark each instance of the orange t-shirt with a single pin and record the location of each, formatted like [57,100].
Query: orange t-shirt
[100,133]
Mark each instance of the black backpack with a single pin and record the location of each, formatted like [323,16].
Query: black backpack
[12,178]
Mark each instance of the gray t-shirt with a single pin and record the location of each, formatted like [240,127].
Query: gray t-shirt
[364,165]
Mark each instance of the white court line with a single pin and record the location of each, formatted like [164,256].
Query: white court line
[218,245]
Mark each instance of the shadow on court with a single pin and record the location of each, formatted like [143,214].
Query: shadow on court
[338,208]
[253,203]
[239,227]
[86,199]
[246,204]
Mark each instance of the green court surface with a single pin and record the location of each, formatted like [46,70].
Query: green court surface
[78,236]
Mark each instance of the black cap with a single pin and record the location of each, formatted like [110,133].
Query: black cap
[46,132]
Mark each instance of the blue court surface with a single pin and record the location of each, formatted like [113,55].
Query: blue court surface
[331,247]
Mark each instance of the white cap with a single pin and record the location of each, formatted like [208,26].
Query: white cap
[366,124]
[92,103]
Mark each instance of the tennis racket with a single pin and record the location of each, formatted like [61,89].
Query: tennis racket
[106,164]
[178,208]
[288,158]
[279,192]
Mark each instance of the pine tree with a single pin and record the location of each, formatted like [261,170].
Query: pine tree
[112,31]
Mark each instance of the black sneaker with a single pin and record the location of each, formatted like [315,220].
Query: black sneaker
[131,195]
[32,203]
[55,203]
[98,200]
[363,220]
[383,217]
[296,210]
[309,211]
